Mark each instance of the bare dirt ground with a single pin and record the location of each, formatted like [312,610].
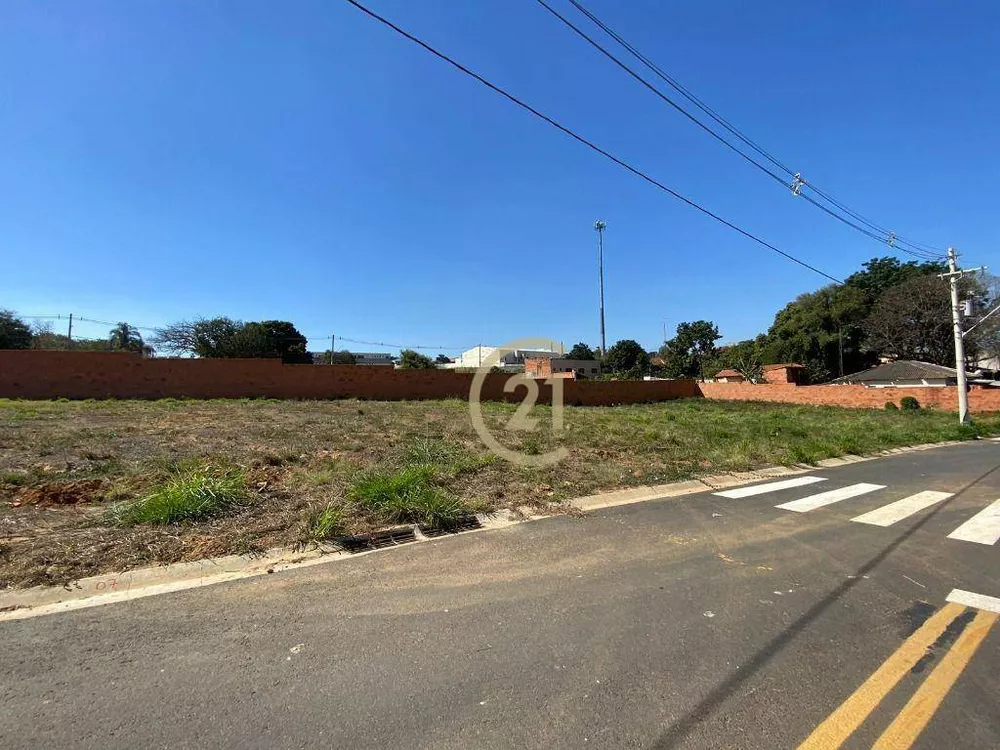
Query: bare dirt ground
[64,464]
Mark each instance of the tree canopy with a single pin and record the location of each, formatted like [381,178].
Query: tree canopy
[826,330]
[581,351]
[14,332]
[215,338]
[124,337]
[412,360]
[687,351]
[342,357]
[913,321]
[627,358]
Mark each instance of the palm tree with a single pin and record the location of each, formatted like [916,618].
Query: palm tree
[125,337]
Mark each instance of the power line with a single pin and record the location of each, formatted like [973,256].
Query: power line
[393,346]
[579,138]
[890,237]
[325,337]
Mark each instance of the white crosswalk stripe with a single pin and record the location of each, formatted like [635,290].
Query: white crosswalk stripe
[887,515]
[812,502]
[760,489]
[982,528]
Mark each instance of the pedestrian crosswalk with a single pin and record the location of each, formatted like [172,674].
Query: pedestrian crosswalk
[887,515]
[813,502]
[982,528]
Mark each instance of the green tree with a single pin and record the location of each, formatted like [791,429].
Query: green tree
[686,352]
[411,360]
[825,328]
[881,274]
[733,356]
[273,339]
[124,337]
[342,357]
[913,321]
[626,358]
[222,337]
[205,337]
[813,329]
[14,332]
[581,351]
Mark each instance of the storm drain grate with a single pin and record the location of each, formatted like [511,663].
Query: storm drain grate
[466,523]
[377,540]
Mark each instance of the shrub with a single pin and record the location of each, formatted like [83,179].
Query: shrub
[406,496]
[326,522]
[890,406]
[189,496]
[909,403]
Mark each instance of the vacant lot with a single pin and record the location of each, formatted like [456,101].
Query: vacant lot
[92,486]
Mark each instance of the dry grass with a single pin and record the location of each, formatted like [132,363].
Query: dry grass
[314,470]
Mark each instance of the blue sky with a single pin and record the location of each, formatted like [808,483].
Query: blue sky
[163,160]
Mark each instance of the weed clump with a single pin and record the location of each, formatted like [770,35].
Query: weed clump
[407,495]
[189,496]
[325,523]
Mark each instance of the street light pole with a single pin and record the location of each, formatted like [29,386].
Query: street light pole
[599,226]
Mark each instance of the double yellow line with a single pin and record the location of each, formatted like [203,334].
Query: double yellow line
[916,714]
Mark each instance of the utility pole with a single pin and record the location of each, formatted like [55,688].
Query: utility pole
[69,333]
[333,348]
[840,347]
[599,226]
[953,275]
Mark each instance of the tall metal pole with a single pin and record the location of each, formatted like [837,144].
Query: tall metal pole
[840,347]
[956,318]
[599,226]
[69,333]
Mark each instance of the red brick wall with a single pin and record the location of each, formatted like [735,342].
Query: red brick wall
[783,375]
[62,374]
[538,367]
[980,399]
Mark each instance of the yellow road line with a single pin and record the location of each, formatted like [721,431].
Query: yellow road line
[840,725]
[910,722]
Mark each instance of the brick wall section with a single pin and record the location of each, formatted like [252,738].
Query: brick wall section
[856,396]
[538,367]
[62,374]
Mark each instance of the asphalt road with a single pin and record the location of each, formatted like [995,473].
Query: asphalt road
[700,621]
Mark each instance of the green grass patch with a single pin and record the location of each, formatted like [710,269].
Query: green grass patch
[325,523]
[407,495]
[193,495]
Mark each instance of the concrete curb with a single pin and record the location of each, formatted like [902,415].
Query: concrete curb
[126,586]
[722,481]
[112,588]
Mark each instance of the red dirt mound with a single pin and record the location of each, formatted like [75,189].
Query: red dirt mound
[61,493]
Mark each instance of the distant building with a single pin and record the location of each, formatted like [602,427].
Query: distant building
[511,360]
[783,373]
[904,373]
[558,367]
[384,359]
